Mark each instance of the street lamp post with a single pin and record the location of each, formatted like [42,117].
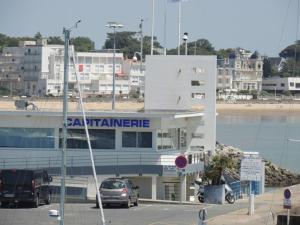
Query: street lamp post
[66,33]
[185,38]
[114,25]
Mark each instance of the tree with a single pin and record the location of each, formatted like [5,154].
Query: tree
[267,68]
[38,36]
[126,41]
[199,47]
[216,168]
[55,40]
[224,53]
[83,44]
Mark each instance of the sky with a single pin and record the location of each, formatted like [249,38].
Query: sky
[267,26]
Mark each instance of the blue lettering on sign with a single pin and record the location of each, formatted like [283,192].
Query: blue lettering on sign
[109,122]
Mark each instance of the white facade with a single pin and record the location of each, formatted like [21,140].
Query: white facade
[183,83]
[281,84]
[240,71]
[39,69]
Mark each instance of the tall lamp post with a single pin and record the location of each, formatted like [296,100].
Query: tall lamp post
[66,33]
[114,25]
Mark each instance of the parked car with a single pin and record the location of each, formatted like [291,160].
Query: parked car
[24,186]
[118,191]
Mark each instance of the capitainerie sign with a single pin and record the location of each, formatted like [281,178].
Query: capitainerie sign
[109,122]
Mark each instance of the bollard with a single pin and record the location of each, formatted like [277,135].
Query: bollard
[251,205]
[202,217]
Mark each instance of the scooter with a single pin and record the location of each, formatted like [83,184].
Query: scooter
[229,196]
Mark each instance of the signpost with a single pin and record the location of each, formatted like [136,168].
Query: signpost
[251,168]
[287,204]
[181,163]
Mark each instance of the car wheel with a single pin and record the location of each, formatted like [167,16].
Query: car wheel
[136,202]
[36,202]
[48,200]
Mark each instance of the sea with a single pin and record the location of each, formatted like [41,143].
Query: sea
[276,136]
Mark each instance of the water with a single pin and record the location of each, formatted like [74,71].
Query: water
[267,134]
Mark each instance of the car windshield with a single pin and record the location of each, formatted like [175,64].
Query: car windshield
[112,184]
[17,177]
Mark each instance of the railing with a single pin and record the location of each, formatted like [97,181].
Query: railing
[104,159]
[114,159]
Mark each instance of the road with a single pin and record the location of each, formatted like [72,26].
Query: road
[85,214]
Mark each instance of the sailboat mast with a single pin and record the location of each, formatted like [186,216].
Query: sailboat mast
[66,33]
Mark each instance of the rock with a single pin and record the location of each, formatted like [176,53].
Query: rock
[275,176]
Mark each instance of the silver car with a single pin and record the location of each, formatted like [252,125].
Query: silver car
[118,191]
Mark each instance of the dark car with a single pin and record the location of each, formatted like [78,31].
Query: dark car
[24,186]
[118,191]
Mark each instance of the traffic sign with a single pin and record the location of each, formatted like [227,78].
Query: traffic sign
[287,203]
[181,161]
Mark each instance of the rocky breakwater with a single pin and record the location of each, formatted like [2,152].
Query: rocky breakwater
[275,176]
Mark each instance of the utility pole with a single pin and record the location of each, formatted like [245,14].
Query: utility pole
[141,51]
[66,33]
[152,27]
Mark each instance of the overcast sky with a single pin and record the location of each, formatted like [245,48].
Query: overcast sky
[264,25]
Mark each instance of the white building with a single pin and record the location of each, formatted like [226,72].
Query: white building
[281,84]
[242,70]
[178,119]
[40,68]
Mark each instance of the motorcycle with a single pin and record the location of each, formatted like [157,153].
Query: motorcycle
[229,196]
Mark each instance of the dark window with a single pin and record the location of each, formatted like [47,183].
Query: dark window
[27,137]
[137,139]
[100,139]
[282,84]
[297,85]
[292,84]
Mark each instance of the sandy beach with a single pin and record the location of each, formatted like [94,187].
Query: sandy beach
[222,108]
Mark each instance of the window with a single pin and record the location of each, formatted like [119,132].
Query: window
[198,95]
[88,60]
[292,84]
[297,85]
[100,139]
[27,137]
[131,139]
[197,83]
[282,85]
[167,139]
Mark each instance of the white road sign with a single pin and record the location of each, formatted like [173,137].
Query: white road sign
[251,168]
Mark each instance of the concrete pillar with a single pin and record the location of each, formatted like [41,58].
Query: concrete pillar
[182,188]
[153,189]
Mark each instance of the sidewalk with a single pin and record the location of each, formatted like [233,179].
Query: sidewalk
[267,207]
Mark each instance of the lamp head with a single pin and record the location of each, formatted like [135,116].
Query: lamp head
[185,36]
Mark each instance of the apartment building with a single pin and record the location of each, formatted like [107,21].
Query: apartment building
[39,69]
[242,70]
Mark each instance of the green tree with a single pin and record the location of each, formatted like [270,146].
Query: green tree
[267,68]
[126,42]
[199,47]
[55,40]
[216,168]
[83,44]
[224,53]
[38,36]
